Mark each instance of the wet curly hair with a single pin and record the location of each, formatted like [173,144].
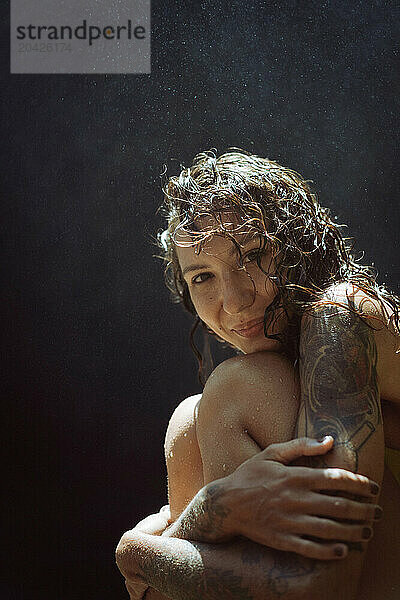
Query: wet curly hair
[309,251]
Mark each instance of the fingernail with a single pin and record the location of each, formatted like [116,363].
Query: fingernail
[366,533]
[338,550]
[374,488]
[378,513]
[326,438]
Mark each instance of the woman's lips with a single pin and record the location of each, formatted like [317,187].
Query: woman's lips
[253,331]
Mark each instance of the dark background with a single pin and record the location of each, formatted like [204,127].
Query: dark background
[96,357]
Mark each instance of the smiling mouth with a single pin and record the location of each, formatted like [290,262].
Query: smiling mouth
[253,330]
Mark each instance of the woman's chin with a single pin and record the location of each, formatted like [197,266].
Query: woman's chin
[260,345]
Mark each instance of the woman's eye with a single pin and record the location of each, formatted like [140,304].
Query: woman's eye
[251,256]
[201,277]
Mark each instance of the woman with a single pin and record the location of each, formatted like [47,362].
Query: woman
[261,266]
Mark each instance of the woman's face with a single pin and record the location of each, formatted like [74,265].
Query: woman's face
[229,298]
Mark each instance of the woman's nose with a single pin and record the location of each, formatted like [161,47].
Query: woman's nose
[238,292]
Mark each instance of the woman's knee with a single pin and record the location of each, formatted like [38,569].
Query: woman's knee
[256,394]
[249,382]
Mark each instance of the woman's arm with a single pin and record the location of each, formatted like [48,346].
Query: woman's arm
[339,388]
[179,568]
[154,524]
[340,397]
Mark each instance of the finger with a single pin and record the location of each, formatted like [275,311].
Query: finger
[331,530]
[343,481]
[342,508]
[286,452]
[311,549]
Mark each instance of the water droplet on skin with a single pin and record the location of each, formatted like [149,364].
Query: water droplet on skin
[171,454]
[224,467]
[185,434]
[245,431]
[280,379]
[230,426]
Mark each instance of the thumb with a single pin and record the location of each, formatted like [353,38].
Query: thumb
[286,452]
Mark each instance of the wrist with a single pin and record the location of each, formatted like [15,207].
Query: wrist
[219,508]
[206,518]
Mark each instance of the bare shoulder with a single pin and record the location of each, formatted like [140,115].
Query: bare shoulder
[379,316]
[349,294]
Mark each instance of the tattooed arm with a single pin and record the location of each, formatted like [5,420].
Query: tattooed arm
[340,397]
[239,568]
[185,570]
[339,387]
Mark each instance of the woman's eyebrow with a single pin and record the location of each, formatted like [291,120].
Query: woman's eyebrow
[190,268]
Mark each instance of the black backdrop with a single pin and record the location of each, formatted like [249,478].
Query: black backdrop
[96,357]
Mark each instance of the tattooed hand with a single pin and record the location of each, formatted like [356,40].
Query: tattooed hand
[276,505]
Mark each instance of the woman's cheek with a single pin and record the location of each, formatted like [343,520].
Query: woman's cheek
[265,287]
[204,303]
